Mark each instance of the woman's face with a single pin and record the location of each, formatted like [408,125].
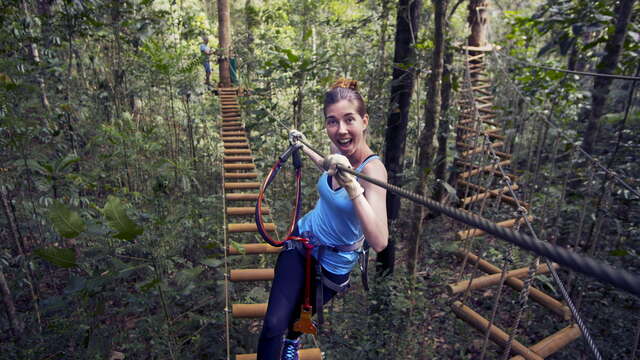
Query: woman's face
[345,127]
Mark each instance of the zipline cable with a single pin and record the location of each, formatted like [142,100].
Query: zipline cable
[582,151]
[619,278]
[567,71]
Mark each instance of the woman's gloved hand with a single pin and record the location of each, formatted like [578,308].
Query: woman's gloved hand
[295,136]
[346,180]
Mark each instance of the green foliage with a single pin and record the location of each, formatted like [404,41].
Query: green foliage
[64,258]
[67,223]
[117,218]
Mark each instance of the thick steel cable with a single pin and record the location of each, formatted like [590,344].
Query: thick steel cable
[602,272]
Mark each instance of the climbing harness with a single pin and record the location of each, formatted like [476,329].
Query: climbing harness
[304,243]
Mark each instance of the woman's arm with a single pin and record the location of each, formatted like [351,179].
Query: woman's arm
[371,208]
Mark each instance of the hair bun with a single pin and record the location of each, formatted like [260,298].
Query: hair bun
[345,83]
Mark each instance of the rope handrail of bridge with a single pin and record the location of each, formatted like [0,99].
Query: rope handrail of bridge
[574,72]
[614,175]
[619,278]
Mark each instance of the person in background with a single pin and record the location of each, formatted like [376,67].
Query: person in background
[205,51]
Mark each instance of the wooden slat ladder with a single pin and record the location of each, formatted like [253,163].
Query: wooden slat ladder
[476,126]
[241,186]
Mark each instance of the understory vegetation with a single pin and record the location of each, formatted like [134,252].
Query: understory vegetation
[112,218]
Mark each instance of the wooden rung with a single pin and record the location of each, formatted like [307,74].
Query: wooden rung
[239,166]
[465,234]
[235,106]
[233,133]
[489,169]
[241,185]
[494,145]
[498,193]
[485,167]
[251,275]
[237,151]
[494,279]
[555,342]
[502,193]
[483,91]
[230,117]
[471,58]
[238,158]
[240,175]
[481,134]
[236,145]
[479,48]
[480,87]
[484,98]
[234,138]
[242,196]
[304,354]
[481,149]
[487,111]
[496,334]
[244,311]
[249,227]
[251,249]
[536,295]
[248,210]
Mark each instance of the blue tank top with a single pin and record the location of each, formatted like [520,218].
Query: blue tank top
[333,222]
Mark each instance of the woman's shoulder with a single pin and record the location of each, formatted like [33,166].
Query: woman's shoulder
[374,167]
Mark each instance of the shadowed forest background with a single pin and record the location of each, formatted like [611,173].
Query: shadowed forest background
[112,218]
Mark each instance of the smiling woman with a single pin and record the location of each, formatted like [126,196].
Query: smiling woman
[347,214]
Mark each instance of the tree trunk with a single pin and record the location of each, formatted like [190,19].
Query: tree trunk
[408,20]
[478,20]
[608,63]
[443,128]
[9,306]
[375,102]
[431,117]
[224,41]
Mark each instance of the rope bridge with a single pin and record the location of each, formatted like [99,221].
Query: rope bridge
[240,194]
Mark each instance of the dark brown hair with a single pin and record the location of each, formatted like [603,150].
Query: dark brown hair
[345,89]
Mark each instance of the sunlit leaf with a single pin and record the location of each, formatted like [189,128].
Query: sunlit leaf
[66,222]
[117,218]
[64,258]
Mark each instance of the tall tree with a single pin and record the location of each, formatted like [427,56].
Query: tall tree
[607,65]
[431,117]
[224,41]
[407,23]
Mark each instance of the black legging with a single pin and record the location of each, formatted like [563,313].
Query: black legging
[287,295]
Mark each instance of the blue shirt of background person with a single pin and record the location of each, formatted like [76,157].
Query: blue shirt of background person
[205,51]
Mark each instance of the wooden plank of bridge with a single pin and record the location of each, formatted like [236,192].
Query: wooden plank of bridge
[251,275]
[246,210]
[253,249]
[240,175]
[538,296]
[248,311]
[249,227]
[485,281]
[551,344]
[465,234]
[237,151]
[496,334]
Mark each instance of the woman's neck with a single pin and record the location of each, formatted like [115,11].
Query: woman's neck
[359,156]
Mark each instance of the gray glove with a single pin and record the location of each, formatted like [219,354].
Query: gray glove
[295,136]
[346,180]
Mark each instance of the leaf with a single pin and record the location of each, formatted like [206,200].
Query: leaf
[619,252]
[150,285]
[66,222]
[64,258]
[211,262]
[117,218]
